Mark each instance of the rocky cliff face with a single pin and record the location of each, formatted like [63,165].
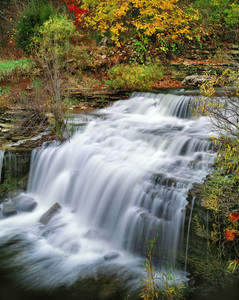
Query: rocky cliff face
[14,171]
[197,225]
[206,271]
[197,61]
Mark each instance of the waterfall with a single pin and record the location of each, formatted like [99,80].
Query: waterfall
[122,178]
[1,163]
[189,224]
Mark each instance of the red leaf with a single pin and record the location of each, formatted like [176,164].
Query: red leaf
[230,234]
[234,217]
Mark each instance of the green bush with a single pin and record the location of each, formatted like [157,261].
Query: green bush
[36,13]
[220,13]
[52,44]
[134,76]
[232,15]
[52,39]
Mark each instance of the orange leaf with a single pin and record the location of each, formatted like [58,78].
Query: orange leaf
[234,217]
[230,234]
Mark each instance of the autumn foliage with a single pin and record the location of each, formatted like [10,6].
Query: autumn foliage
[234,217]
[77,10]
[160,20]
[231,233]
[220,194]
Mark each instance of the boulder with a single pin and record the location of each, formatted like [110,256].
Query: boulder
[24,203]
[50,213]
[111,255]
[9,209]
[195,80]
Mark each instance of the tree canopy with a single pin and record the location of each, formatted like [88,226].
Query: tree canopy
[141,19]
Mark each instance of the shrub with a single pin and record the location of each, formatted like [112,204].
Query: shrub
[221,13]
[134,76]
[52,46]
[53,38]
[36,13]
[170,288]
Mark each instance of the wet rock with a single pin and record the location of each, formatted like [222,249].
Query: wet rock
[24,203]
[9,209]
[195,80]
[2,199]
[111,255]
[143,216]
[50,213]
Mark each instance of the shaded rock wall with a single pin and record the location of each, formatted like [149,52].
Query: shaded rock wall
[16,163]
[15,170]
[196,238]
[180,70]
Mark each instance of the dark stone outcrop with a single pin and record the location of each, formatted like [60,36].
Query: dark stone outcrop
[196,238]
[50,213]
[97,100]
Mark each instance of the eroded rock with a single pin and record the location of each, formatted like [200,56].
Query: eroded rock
[50,213]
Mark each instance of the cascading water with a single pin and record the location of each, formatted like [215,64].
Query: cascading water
[127,171]
[1,163]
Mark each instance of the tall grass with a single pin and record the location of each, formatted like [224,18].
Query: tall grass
[8,68]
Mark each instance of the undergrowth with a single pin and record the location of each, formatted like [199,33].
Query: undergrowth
[220,190]
[134,76]
[160,283]
[8,68]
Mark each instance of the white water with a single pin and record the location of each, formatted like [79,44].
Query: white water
[187,241]
[127,172]
[1,163]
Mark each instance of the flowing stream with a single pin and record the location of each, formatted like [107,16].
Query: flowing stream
[1,163]
[123,177]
